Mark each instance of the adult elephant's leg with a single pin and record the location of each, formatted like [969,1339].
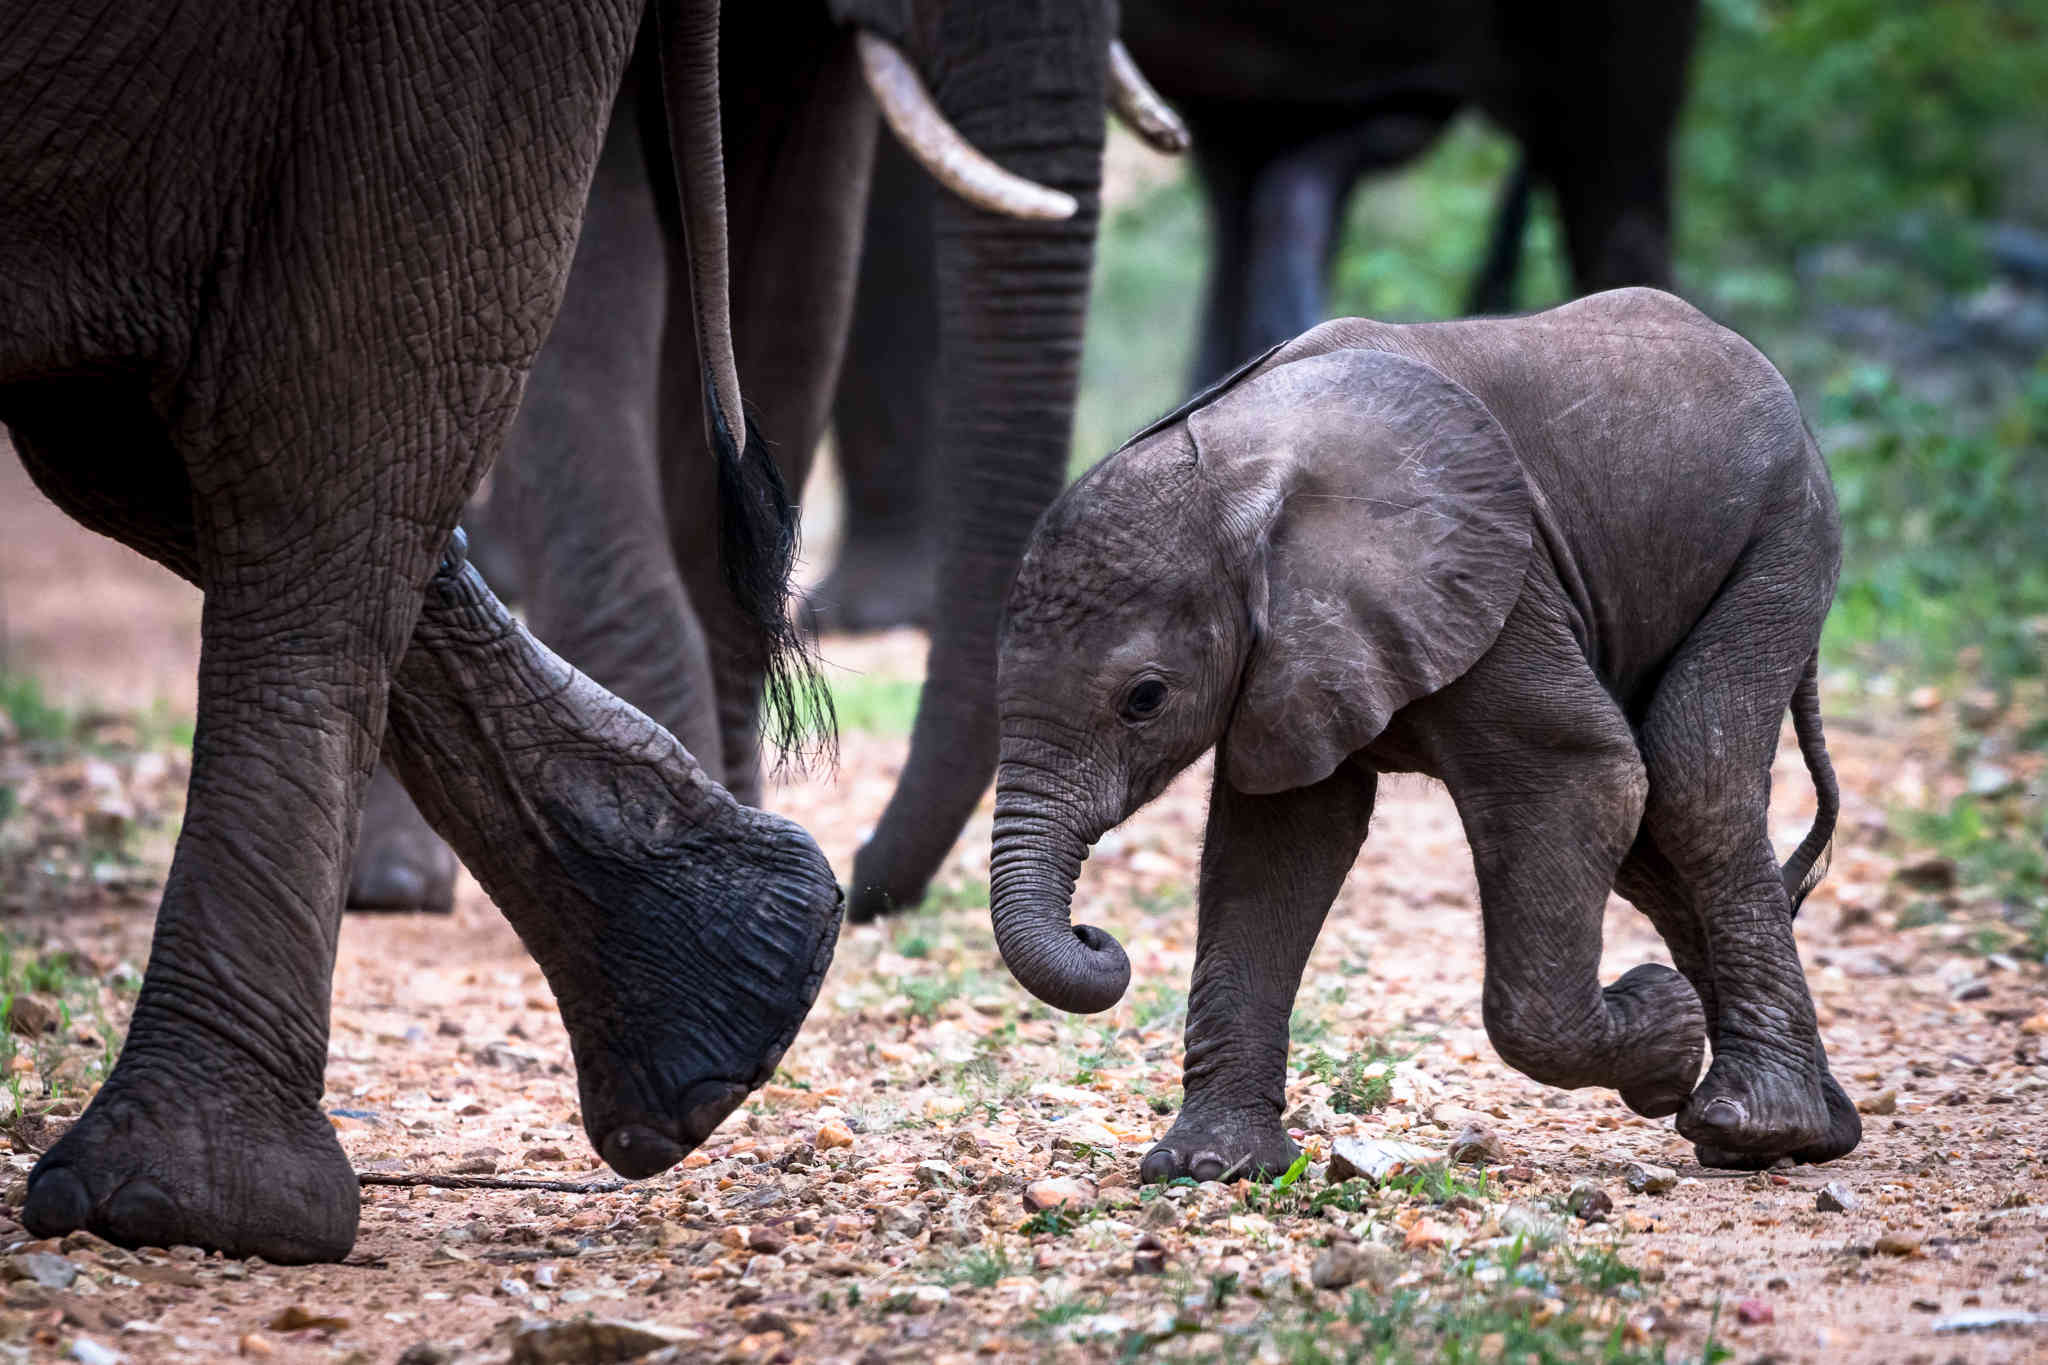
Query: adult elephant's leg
[1226,168]
[885,414]
[1013,299]
[1708,736]
[684,935]
[576,503]
[799,135]
[1551,802]
[1271,865]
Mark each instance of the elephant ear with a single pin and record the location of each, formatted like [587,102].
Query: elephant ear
[1396,532]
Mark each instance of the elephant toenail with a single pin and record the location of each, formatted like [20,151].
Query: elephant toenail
[1207,1166]
[637,1152]
[1726,1114]
[141,1214]
[57,1203]
[1160,1164]
[705,1106]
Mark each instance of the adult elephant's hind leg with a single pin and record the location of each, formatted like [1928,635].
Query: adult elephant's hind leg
[1271,865]
[684,934]
[1549,819]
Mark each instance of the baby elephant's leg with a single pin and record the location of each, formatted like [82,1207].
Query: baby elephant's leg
[1271,865]
[1551,807]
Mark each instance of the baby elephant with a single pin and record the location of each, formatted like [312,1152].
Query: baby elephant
[1574,566]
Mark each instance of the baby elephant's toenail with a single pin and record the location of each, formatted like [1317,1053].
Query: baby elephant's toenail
[57,1203]
[705,1106]
[1207,1166]
[636,1152]
[1725,1113]
[141,1214]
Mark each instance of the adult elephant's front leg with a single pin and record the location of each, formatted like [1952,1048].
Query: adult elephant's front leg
[1271,865]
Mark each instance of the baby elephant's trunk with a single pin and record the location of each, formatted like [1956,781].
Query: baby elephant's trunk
[1033,865]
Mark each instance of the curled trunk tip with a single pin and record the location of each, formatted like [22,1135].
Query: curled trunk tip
[1033,866]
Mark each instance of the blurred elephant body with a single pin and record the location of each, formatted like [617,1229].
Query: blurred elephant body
[598,520]
[1289,106]
[1574,566]
[274,278]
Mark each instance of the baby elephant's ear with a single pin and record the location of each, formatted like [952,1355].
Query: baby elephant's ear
[1397,548]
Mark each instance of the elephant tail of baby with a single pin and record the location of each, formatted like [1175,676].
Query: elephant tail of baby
[1809,862]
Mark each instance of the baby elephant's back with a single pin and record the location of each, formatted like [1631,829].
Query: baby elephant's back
[1668,453]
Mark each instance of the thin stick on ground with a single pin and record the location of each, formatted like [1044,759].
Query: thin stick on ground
[488,1182]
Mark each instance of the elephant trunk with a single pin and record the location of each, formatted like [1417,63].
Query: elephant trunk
[1011,296]
[1033,865]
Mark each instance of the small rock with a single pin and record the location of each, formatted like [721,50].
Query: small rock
[1160,1215]
[1754,1313]
[425,1353]
[30,1015]
[447,1028]
[89,1352]
[1922,700]
[44,1268]
[769,1242]
[1644,1178]
[1533,1225]
[1148,1260]
[904,1221]
[254,1344]
[543,1156]
[1898,1244]
[1060,1192]
[297,1319]
[1970,988]
[923,1298]
[475,1165]
[1360,1158]
[1835,1197]
[1987,1319]
[1589,1202]
[1312,1115]
[1884,1102]
[832,1135]
[934,1175]
[1980,708]
[1476,1145]
[1346,1263]
[1070,1135]
[1927,874]
[590,1341]
[1989,779]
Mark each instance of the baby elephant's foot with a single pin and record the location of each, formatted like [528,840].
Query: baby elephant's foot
[401,864]
[1220,1146]
[190,1162]
[1844,1132]
[1747,1115]
[1671,1037]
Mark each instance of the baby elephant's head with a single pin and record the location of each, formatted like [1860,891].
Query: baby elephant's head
[1275,570]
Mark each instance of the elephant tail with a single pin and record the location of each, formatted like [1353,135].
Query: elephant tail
[757,517]
[1809,862]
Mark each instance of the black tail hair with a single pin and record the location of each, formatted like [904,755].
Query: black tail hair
[757,543]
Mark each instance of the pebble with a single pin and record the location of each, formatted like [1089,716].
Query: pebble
[1644,1178]
[1361,1158]
[1589,1202]
[1835,1197]
[1986,1319]
[425,1353]
[1532,1224]
[1060,1192]
[1476,1145]
[1884,1102]
[1980,708]
[832,1135]
[1754,1313]
[90,1352]
[579,1340]
[48,1270]
[30,1015]
[934,1175]
[1346,1263]
[1160,1215]
[903,1221]
[1898,1244]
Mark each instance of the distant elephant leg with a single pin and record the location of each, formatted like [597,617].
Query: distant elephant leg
[1551,803]
[400,863]
[1493,288]
[683,934]
[1708,738]
[1271,865]
[885,415]
[798,151]
[1227,171]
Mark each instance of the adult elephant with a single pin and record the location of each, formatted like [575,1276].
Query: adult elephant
[1290,106]
[274,277]
[599,518]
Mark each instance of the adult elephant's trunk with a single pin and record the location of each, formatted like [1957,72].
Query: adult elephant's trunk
[1035,861]
[1011,300]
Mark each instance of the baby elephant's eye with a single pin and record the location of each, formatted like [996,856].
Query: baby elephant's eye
[1143,701]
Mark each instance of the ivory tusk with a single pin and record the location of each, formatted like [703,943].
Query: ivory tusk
[1138,106]
[952,160]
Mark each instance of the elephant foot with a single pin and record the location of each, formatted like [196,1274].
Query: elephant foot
[192,1163]
[1670,1030]
[401,864]
[704,967]
[1220,1146]
[1844,1132]
[875,587]
[1746,1115]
